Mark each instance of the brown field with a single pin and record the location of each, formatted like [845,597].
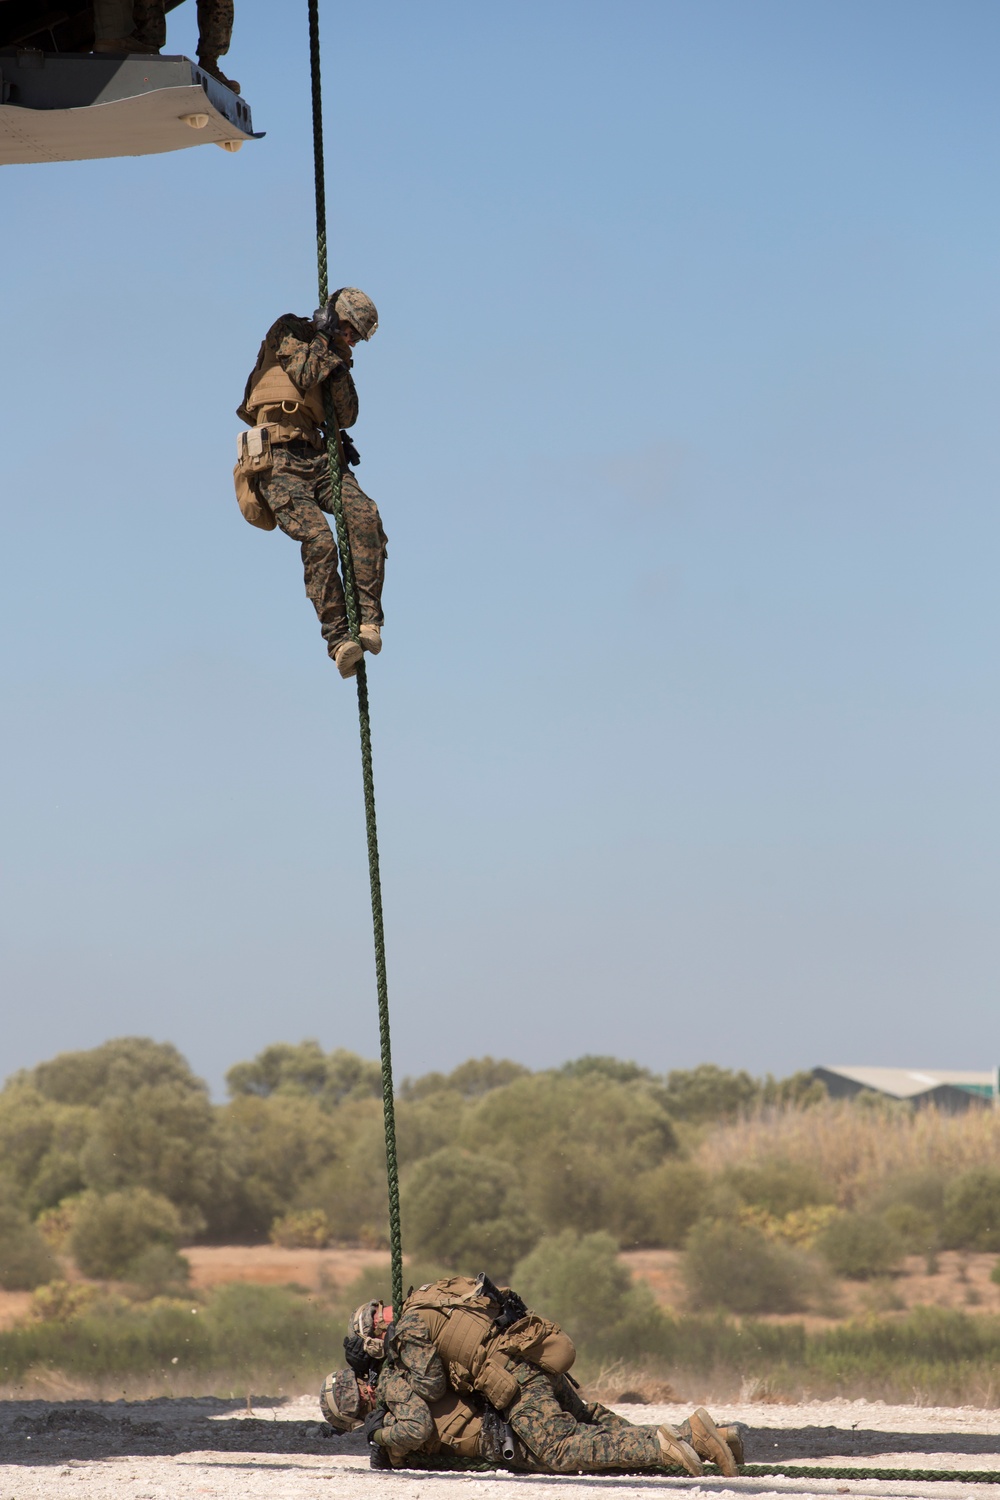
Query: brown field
[962,1282]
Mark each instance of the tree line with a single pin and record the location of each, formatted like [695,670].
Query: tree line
[493,1155]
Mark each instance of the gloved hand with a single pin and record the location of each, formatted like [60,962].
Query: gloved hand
[351,454]
[373,1423]
[326,321]
[354,1353]
[378,1458]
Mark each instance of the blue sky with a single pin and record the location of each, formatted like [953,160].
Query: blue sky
[681,419]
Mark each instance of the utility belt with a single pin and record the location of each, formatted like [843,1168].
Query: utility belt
[255,460]
[287,423]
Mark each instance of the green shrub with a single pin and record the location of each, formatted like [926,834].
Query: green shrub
[159,1271]
[578,1144]
[55,1224]
[919,1232]
[734,1266]
[308,1229]
[579,1282]
[666,1203]
[109,1233]
[972,1210]
[468,1212]
[709,1093]
[780,1187]
[861,1245]
[242,1335]
[25,1259]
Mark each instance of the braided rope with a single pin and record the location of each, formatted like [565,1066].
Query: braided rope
[353,618]
[795,1471]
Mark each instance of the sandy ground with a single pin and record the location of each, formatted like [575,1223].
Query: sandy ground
[168,1449]
[164,1448]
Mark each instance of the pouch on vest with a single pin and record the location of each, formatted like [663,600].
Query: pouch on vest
[540,1342]
[497,1383]
[253,450]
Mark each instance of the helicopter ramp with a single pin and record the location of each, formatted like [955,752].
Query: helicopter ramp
[77,107]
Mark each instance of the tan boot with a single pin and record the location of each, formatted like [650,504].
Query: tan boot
[732,1436]
[677,1454]
[708,1441]
[210,65]
[347,656]
[371,638]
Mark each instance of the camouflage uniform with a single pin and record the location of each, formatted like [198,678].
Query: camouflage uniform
[408,1386]
[557,1431]
[298,487]
[566,1436]
[215,25]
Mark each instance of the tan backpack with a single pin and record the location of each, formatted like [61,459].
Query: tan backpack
[460,1318]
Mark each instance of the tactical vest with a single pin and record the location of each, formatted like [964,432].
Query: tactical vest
[459,1320]
[271,386]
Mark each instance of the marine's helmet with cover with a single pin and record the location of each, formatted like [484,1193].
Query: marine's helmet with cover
[344,1402]
[370,1322]
[352,306]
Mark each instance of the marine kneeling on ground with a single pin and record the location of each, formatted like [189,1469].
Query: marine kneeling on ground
[468,1371]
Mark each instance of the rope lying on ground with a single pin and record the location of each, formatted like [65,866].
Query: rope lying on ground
[794,1471]
[353,618]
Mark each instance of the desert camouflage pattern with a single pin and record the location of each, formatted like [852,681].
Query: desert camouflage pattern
[298,491]
[563,1435]
[556,1429]
[308,358]
[340,1401]
[355,307]
[409,1423]
[215,25]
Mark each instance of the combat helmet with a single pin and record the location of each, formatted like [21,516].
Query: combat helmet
[352,306]
[341,1401]
[369,1323]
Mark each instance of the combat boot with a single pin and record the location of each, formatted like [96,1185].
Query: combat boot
[210,65]
[722,1445]
[347,656]
[371,638]
[677,1454]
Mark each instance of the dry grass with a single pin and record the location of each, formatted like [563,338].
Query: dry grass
[856,1150]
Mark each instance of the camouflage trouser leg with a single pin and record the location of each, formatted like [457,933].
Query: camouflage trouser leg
[564,1445]
[215,28]
[150,22]
[298,491]
[570,1400]
[368,545]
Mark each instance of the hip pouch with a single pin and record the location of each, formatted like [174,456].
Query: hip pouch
[497,1383]
[457,1425]
[253,460]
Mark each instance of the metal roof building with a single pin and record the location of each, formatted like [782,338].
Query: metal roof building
[943,1087]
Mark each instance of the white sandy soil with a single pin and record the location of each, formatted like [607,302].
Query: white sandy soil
[169,1449]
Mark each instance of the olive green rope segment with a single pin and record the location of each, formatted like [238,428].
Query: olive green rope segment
[816,1471]
[335,460]
[317,124]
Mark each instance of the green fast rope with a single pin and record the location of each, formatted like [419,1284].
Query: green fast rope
[795,1471]
[353,616]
